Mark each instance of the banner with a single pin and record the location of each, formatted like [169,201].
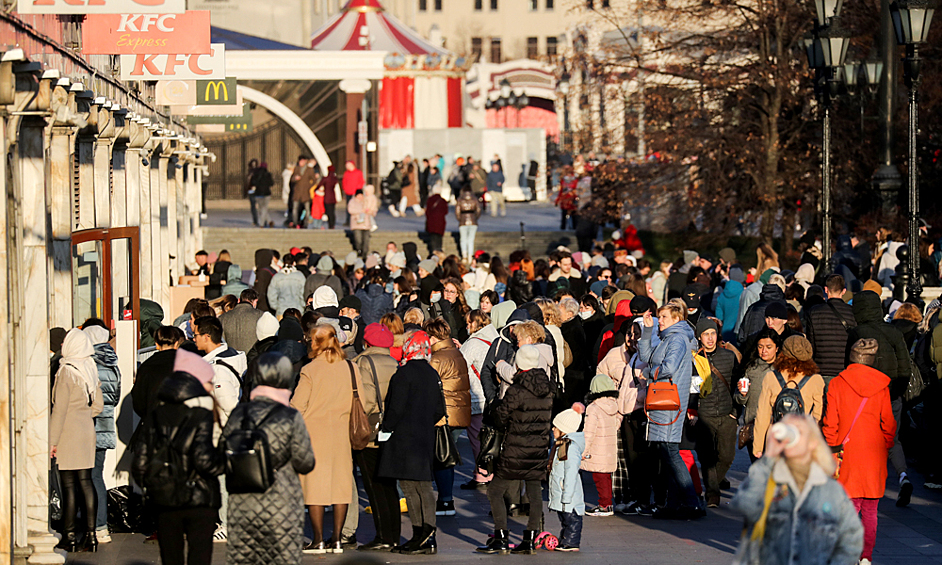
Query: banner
[234,109]
[217,92]
[175,66]
[241,124]
[101,6]
[175,93]
[147,34]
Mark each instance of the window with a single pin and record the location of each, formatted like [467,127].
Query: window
[606,4]
[549,4]
[478,5]
[551,43]
[533,48]
[477,47]
[493,4]
[495,50]
[590,4]
[533,5]
[438,5]
[423,5]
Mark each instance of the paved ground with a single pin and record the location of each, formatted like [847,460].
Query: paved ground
[911,536]
[538,216]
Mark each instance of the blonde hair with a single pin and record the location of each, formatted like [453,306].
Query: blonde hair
[530,329]
[324,342]
[676,307]
[821,453]
[908,311]
[551,314]
[393,323]
[414,316]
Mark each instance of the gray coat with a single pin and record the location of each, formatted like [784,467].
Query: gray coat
[267,528]
[372,399]
[238,326]
[110,378]
[286,291]
[817,526]
[673,357]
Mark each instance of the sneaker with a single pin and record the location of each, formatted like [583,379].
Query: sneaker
[103,536]
[445,508]
[601,511]
[565,547]
[472,485]
[349,542]
[633,508]
[620,508]
[220,535]
[863,562]
[319,548]
[905,493]
[933,482]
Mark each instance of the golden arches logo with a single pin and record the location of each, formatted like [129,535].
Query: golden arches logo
[216,85]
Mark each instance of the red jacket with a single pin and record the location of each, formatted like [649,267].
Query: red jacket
[863,470]
[436,209]
[352,181]
[622,315]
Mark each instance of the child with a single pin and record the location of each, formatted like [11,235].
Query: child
[565,486]
[317,207]
[602,422]
[541,356]
[372,205]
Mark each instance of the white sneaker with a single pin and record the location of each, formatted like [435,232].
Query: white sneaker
[863,562]
[221,535]
[103,536]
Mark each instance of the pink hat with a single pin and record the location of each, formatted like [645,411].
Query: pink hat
[378,335]
[193,365]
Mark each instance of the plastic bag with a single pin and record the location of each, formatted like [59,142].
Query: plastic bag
[126,512]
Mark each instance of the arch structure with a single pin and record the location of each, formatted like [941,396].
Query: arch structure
[292,120]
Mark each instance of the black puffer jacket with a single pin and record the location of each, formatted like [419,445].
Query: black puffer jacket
[828,336]
[892,355]
[375,301]
[525,414]
[720,400]
[754,319]
[182,399]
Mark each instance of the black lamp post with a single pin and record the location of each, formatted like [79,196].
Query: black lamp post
[911,20]
[564,90]
[508,99]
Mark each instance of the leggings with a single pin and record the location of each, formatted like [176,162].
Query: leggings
[72,481]
[187,530]
[496,490]
[867,508]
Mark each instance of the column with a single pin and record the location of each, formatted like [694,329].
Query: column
[173,221]
[139,176]
[7,537]
[157,279]
[60,216]
[120,264]
[163,203]
[102,167]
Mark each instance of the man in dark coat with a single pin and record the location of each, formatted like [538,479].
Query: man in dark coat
[754,318]
[893,361]
[264,272]
[827,327]
[323,275]
[847,256]
[238,324]
[574,336]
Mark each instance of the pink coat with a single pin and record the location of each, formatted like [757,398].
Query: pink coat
[602,422]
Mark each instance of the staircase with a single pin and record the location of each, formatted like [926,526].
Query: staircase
[242,242]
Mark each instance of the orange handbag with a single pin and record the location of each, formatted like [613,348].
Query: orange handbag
[662,396]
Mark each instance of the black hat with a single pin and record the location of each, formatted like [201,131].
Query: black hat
[776,310]
[350,302]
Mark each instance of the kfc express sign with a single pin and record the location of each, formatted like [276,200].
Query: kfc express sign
[101,6]
[175,66]
[148,34]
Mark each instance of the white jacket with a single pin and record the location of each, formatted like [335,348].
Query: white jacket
[226,384]
[475,351]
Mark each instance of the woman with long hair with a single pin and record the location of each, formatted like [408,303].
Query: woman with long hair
[394,324]
[501,275]
[749,383]
[323,397]
[637,285]
[459,307]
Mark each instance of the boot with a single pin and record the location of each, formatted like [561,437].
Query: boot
[69,542]
[91,542]
[500,543]
[527,546]
[427,544]
[412,543]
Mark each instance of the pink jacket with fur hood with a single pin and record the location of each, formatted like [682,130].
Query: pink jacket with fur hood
[602,422]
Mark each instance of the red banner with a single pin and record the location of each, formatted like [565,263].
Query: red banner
[147,34]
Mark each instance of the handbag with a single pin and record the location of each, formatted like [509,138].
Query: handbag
[839,456]
[361,433]
[746,434]
[446,451]
[662,396]
[248,458]
[376,420]
[916,384]
[55,493]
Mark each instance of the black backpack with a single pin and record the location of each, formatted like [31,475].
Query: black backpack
[165,482]
[789,400]
[248,458]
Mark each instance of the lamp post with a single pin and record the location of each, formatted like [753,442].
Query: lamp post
[911,20]
[564,90]
[508,99]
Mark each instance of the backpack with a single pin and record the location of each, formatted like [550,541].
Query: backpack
[165,483]
[248,458]
[789,400]
[393,179]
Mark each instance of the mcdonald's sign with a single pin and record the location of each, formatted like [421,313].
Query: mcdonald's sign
[238,123]
[221,92]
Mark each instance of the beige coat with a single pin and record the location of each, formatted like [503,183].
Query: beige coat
[324,397]
[71,425]
[812,394]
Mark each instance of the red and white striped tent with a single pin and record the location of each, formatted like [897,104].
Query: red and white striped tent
[418,74]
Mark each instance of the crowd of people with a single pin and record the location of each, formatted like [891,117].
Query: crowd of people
[644,377]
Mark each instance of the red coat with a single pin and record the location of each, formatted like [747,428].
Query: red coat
[863,471]
[436,209]
[352,182]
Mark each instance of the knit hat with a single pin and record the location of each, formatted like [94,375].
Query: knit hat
[350,259]
[398,260]
[727,254]
[778,280]
[873,286]
[597,287]
[266,326]
[193,365]
[290,330]
[736,274]
[325,263]
[378,335]
[567,421]
[600,261]
[324,296]
[766,275]
[601,383]
[689,256]
[776,310]
[528,358]
[428,265]
[798,347]
[641,304]
[351,302]
[864,352]
[579,258]
[704,324]
[372,260]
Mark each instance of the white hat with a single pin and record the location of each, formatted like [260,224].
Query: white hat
[266,326]
[398,260]
[324,296]
[528,357]
[567,421]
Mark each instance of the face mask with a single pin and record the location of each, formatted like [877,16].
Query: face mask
[389,288]
[436,297]
[586,315]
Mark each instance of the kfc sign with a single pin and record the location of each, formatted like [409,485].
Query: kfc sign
[175,66]
[147,34]
[101,6]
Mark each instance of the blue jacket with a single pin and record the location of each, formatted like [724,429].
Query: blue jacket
[565,485]
[727,309]
[674,358]
[817,526]
[109,375]
[375,302]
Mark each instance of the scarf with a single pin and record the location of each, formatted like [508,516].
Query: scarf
[280,395]
[77,351]
[416,347]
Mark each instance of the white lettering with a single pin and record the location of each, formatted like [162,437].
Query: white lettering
[149,20]
[128,22]
[162,22]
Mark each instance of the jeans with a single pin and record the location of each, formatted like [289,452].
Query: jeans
[421,501]
[867,508]
[897,457]
[445,478]
[382,494]
[72,482]
[571,534]
[352,521]
[264,217]
[361,242]
[677,473]
[603,484]
[196,524]
[296,209]
[497,199]
[467,234]
[716,450]
[495,494]
[567,216]
[98,479]
[347,209]
[474,434]
[254,209]
[224,509]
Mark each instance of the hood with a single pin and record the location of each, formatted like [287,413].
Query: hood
[534,380]
[293,350]
[150,310]
[263,258]
[844,244]
[805,273]
[865,381]
[534,311]
[732,289]
[105,355]
[518,315]
[369,190]
[426,286]
[772,293]
[410,248]
[500,313]
[234,274]
[180,387]
[622,314]
[867,308]
[375,291]
[617,298]
[487,333]
[606,400]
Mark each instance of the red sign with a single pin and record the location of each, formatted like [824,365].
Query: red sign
[146,34]
[100,6]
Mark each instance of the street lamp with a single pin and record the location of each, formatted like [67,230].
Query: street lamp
[911,20]
[563,86]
